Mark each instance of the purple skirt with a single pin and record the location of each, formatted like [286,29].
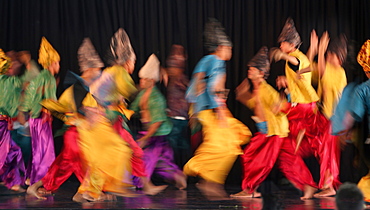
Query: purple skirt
[11,162]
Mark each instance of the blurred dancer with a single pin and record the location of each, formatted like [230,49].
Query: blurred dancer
[12,168]
[67,107]
[111,89]
[269,145]
[150,103]
[177,105]
[309,128]
[40,88]
[222,133]
[355,103]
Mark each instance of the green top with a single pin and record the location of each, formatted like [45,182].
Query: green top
[157,110]
[10,95]
[40,88]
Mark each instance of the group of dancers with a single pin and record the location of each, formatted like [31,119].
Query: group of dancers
[293,122]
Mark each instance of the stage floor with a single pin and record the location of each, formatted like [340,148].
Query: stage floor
[171,198]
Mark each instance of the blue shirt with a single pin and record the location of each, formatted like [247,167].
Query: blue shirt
[361,101]
[213,68]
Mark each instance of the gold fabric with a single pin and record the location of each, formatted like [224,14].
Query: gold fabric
[363,57]
[301,90]
[277,124]
[330,90]
[220,147]
[47,54]
[5,62]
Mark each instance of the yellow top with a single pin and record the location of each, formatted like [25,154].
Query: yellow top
[65,108]
[330,88]
[47,54]
[301,90]
[277,124]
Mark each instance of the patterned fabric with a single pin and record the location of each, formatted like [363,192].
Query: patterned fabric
[157,109]
[120,49]
[5,62]
[47,54]
[363,56]
[40,88]
[213,69]
[214,35]
[289,33]
[151,69]
[261,61]
[87,56]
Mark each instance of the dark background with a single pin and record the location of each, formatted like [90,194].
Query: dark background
[154,25]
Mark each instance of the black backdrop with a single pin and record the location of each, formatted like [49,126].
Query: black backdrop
[154,25]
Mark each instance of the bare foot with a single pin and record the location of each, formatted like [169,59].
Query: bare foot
[79,198]
[308,192]
[212,191]
[18,188]
[244,194]
[180,180]
[43,191]
[28,181]
[154,190]
[33,190]
[325,193]
[125,193]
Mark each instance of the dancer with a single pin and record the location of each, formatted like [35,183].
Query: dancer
[356,108]
[222,133]
[67,107]
[12,168]
[177,105]
[150,103]
[309,128]
[331,57]
[40,88]
[269,145]
[111,89]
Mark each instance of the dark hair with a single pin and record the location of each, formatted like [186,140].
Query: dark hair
[349,196]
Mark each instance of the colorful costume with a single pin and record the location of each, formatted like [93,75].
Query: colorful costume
[69,161]
[158,155]
[360,107]
[304,115]
[40,88]
[269,147]
[11,163]
[178,106]
[221,144]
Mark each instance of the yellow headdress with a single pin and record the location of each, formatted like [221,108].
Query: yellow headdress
[363,57]
[5,62]
[47,54]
